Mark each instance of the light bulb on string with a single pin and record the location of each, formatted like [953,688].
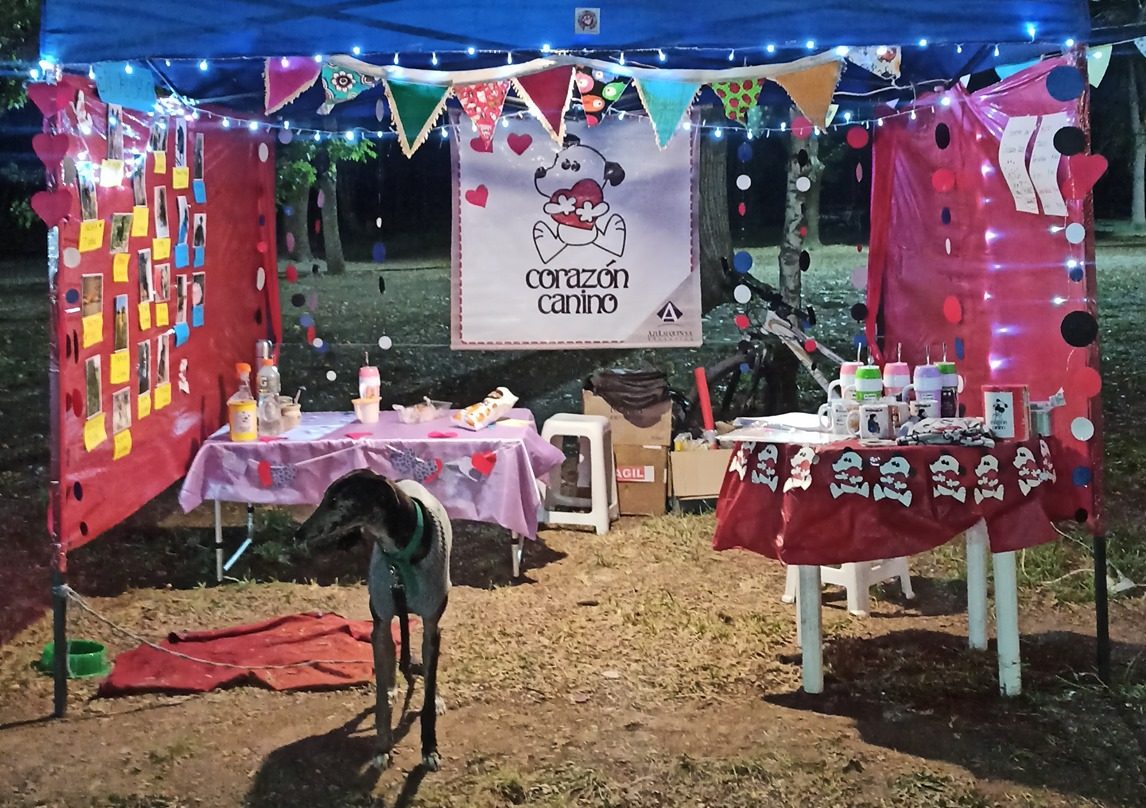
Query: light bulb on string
[357,51]
[1031,30]
[317,137]
[848,117]
[719,133]
[395,57]
[317,57]
[731,55]
[879,122]
[91,73]
[34,73]
[958,48]
[203,65]
[783,126]
[445,132]
[226,123]
[471,50]
[1070,43]
[622,59]
[286,125]
[545,48]
[509,57]
[661,55]
[841,50]
[253,126]
[128,69]
[810,44]
[913,116]
[285,62]
[770,48]
[434,58]
[923,43]
[996,50]
[350,135]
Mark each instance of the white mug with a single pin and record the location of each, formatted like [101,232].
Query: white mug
[875,421]
[839,415]
[898,411]
[924,408]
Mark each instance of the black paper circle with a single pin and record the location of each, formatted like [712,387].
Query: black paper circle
[945,216]
[83,528]
[298,300]
[258,316]
[1079,328]
[78,491]
[1065,83]
[859,312]
[802,157]
[381,285]
[805,260]
[942,136]
[1069,140]
[1081,515]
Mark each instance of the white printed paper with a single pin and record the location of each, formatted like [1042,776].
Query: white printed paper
[1044,165]
[1013,161]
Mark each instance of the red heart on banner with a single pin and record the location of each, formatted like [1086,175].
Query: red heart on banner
[51,149]
[45,97]
[479,145]
[1082,171]
[478,196]
[484,462]
[265,477]
[519,143]
[52,206]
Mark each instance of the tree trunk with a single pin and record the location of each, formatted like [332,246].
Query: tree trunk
[791,245]
[331,238]
[714,234]
[1138,128]
[299,205]
[815,173]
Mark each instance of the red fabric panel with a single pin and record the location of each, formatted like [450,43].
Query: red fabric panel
[322,650]
[96,492]
[1007,270]
[823,524]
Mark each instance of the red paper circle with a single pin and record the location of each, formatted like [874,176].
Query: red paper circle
[952,309]
[741,320]
[810,345]
[857,137]
[1086,381]
[802,128]
[943,180]
[292,273]
[742,209]
[261,246]
[803,232]
[310,334]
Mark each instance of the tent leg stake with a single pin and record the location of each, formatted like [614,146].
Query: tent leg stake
[218,542]
[60,645]
[1101,610]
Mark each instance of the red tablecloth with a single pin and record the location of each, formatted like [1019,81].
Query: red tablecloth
[842,502]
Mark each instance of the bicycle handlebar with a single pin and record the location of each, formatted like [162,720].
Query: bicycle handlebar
[765,292]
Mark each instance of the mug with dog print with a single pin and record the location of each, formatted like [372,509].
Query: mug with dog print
[875,421]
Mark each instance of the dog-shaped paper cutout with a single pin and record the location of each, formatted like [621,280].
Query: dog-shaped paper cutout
[945,479]
[801,473]
[1029,471]
[574,189]
[849,476]
[893,481]
[764,472]
[988,482]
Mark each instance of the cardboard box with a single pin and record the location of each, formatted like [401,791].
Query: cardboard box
[642,479]
[624,431]
[698,474]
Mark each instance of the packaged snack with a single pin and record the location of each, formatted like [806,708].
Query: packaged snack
[494,406]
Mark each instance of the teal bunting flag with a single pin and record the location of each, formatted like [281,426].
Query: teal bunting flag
[666,102]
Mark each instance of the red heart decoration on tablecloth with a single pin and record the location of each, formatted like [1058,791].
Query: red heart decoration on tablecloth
[358,435]
[442,435]
[519,143]
[52,206]
[51,149]
[436,473]
[265,477]
[484,462]
[478,196]
[45,97]
[1083,170]
[480,145]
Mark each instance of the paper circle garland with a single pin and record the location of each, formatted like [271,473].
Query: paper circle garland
[291,273]
[381,285]
[320,200]
[264,152]
[810,346]
[1069,140]
[317,342]
[742,209]
[952,309]
[306,320]
[859,172]
[859,277]
[1086,381]
[741,294]
[947,246]
[859,312]
[805,260]
[802,127]
[285,136]
[72,257]
[290,242]
[803,184]
[1075,233]
[857,137]
[1075,274]
[378,252]
[741,320]
[385,343]
[945,216]
[744,152]
[960,349]
[1081,476]
[298,300]
[802,158]
[261,246]
[1082,428]
[72,296]
[942,136]
[1065,83]
[742,261]
[1079,328]
[943,180]
[260,279]
[331,375]
[743,182]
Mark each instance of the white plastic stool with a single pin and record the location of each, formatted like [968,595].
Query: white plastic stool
[857,579]
[602,502]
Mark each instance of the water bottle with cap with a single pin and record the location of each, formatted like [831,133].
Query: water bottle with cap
[270,411]
[242,418]
[948,389]
[896,376]
[868,384]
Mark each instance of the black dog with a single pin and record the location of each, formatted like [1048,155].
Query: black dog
[409,572]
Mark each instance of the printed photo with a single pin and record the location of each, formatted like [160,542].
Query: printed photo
[144,366]
[197,159]
[120,410]
[199,239]
[181,298]
[184,219]
[139,182]
[198,288]
[89,207]
[162,281]
[161,228]
[114,132]
[146,286]
[180,143]
[157,139]
[120,232]
[92,294]
[120,322]
[162,359]
[93,370]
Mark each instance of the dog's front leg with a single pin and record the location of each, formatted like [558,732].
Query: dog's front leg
[405,666]
[383,642]
[431,644]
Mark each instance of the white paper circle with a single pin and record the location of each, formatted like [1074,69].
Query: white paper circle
[803,184]
[742,294]
[959,389]
[385,343]
[331,375]
[318,343]
[1082,428]
[260,279]
[1075,233]
[264,152]
[72,257]
[947,246]
[743,182]
[285,136]
[859,277]
[380,109]
[378,222]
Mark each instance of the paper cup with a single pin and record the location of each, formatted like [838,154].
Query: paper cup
[366,410]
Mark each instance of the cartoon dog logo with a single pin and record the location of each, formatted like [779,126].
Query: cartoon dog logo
[1029,471]
[765,471]
[849,476]
[945,472]
[893,476]
[988,482]
[801,473]
[574,190]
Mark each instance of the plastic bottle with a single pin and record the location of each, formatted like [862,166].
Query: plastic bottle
[270,412]
[242,412]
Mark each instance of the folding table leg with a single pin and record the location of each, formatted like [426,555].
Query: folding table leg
[811,628]
[1007,624]
[977,547]
[218,543]
[516,553]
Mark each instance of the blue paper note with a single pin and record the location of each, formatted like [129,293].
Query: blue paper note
[199,188]
[134,90]
[182,257]
[197,315]
[199,257]
[182,332]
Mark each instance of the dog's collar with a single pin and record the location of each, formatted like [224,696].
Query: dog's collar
[403,560]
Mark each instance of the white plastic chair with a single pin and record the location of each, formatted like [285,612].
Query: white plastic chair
[857,579]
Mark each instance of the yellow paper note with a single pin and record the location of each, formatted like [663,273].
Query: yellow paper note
[162,313]
[111,173]
[140,222]
[143,405]
[122,444]
[160,249]
[180,178]
[93,329]
[162,396]
[94,432]
[120,262]
[120,367]
[161,162]
[91,235]
[144,316]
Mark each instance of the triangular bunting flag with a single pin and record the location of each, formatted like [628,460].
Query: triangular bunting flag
[342,84]
[414,108]
[1140,43]
[1006,71]
[598,91]
[811,89]
[482,103]
[738,96]
[1097,60]
[666,102]
[285,78]
[832,110]
[547,94]
[881,60]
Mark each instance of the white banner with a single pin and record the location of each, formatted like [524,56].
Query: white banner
[588,246]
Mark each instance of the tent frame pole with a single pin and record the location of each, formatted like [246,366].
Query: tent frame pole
[1101,610]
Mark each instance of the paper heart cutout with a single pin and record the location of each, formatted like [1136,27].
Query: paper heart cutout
[436,473]
[519,143]
[484,462]
[45,97]
[51,149]
[1083,171]
[480,145]
[265,477]
[52,206]
[478,196]
[442,435]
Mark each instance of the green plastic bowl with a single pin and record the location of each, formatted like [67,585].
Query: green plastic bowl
[86,659]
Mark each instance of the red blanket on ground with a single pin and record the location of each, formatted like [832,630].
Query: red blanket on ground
[296,652]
